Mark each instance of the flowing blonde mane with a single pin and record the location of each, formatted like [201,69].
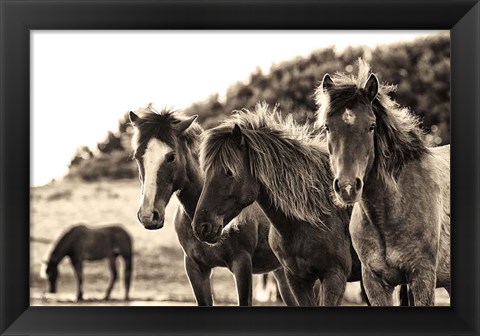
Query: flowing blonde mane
[286,158]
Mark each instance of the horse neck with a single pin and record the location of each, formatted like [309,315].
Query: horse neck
[278,219]
[60,251]
[190,192]
[290,186]
[377,194]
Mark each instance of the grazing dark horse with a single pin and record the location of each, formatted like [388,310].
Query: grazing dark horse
[166,148]
[257,156]
[83,243]
[399,188]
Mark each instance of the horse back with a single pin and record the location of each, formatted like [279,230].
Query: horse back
[102,242]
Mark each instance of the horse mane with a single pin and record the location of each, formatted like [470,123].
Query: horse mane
[161,124]
[398,136]
[56,250]
[289,160]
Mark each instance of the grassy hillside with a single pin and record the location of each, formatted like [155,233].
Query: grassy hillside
[420,69]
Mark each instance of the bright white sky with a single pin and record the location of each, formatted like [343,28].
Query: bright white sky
[83,82]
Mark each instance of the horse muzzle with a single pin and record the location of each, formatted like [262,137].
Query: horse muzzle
[348,191]
[206,232]
[151,221]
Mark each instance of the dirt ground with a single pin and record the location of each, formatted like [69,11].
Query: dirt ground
[158,279]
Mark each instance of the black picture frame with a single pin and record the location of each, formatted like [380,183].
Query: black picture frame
[19,17]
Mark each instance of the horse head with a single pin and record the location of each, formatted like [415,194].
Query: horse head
[350,123]
[161,159]
[368,134]
[49,271]
[229,185]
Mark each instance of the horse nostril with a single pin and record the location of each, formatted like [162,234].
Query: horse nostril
[336,186]
[138,216]
[358,184]
[156,215]
[205,229]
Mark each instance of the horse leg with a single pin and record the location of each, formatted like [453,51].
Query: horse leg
[333,288]
[241,268]
[128,264]
[317,291]
[378,291]
[283,287]
[199,278]
[78,268]
[363,293]
[411,300]
[422,284]
[302,289]
[113,276]
[403,295]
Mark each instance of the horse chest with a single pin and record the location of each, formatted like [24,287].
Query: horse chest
[209,256]
[203,254]
[376,247]
[292,255]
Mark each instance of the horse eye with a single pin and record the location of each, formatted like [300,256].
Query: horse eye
[372,127]
[171,157]
[325,126]
[228,173]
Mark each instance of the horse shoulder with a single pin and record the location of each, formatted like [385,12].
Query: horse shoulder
[417,195]
[427,181]
[442,171]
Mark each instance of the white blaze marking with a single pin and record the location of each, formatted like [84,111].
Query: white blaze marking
[348,117]
[348,188]
[152,159]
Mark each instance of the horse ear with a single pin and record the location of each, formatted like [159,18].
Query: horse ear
[371,87]
[237,135]
[183,125]
[327,82]
[133,117]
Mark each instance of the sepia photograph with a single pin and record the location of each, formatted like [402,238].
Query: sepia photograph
[240,168]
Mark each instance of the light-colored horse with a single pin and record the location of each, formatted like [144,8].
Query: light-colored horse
[399,188]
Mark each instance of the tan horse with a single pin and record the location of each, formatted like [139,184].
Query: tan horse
[399,188]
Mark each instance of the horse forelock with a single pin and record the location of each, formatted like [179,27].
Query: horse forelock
[398,137]
[346,88]
[218,152]
[283,156]
[161,124]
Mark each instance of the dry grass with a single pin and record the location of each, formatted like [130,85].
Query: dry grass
[158,266]
[159,276]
